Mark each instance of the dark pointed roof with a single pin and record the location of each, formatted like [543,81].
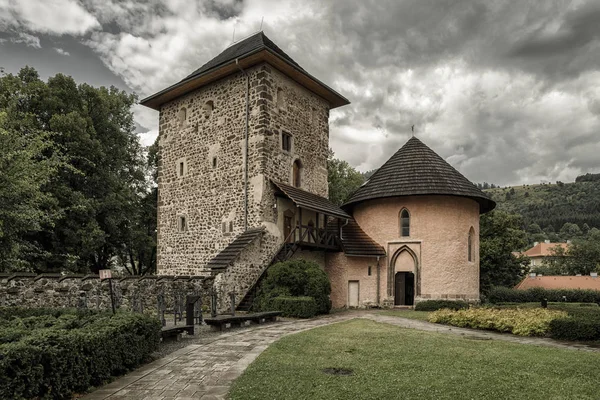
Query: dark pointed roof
[415,169]
[256,42]
[247,52]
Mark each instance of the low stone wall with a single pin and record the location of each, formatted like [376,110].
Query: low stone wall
[135,293]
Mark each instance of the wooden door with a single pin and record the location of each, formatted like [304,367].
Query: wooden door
[352,293]
[287,227]
[400,289]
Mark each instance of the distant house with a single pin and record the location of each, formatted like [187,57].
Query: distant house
[542,251]
[590,282]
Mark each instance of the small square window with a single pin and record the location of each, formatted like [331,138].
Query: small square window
[182,223]
[286,141]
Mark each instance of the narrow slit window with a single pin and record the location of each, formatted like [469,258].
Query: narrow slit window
[471,256]
[369,271]
[404,223]
[214,162]
[182,223]
[297,173]
[230,226]
[181,168]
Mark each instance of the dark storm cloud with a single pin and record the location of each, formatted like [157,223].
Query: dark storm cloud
[506,91]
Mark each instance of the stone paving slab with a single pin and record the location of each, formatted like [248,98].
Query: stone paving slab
[206,371]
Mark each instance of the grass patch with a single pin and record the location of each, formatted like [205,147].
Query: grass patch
[420,315]
[388,362]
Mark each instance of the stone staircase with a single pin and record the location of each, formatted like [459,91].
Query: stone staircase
[286,251]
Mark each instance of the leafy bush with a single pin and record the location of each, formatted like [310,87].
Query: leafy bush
[296,307]
[56,356]
[519,321]
[434,305]
[583,323]
[508,295]
[294,278]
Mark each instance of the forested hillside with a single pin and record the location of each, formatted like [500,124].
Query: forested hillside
[546,208]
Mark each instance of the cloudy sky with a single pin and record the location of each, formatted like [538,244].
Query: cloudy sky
[506,91]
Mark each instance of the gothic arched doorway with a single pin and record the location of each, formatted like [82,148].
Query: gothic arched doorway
[403,279]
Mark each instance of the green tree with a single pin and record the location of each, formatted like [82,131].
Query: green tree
[96,191]
[570,231]
[24,171]
[500,235]
[343,179]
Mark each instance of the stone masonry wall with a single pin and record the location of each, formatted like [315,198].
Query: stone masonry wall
[211,198]
[132,292]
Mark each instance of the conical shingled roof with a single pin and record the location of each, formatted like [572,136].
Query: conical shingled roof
[415,169]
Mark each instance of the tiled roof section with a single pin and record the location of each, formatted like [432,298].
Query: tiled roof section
[355,242]
[544,249]
[311,201]
[560,282]
[254,43]
[415,169]
[229,254]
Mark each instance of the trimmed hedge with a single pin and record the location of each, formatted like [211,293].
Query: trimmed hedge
[72,354]
[295,307]
[434,305]
[520,321]
[294,278]
[583,323]
[508,295]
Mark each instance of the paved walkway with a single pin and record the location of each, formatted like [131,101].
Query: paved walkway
[206,370]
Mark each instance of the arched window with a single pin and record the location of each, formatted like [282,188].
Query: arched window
[404,223]
[296,173]
[207,108]
[182,116]
[280,98]
[471,244]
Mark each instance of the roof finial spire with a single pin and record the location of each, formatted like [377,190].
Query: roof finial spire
[261,22]
[412,128]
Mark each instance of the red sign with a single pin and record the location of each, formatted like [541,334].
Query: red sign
[105,274]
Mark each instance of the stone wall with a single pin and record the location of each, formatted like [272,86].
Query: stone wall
[244,272]
[208,124]
[131,293]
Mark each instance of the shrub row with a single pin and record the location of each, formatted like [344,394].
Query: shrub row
[523,322]
[56,362]
[434,305]
[508,295]
[294,278]
[582,323]
[295,307]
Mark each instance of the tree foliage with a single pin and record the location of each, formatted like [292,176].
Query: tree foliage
[343,179]
[86,172]
[500,235]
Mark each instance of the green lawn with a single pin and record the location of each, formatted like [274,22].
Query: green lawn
[395,363]
[420,315]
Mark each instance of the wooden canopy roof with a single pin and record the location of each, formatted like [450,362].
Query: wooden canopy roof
[311,201]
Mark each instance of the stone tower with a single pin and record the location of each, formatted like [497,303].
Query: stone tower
[249,117]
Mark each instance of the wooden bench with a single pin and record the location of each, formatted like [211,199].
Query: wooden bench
[175,331]
[221,321]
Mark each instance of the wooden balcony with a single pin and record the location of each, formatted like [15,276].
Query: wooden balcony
[310,237]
